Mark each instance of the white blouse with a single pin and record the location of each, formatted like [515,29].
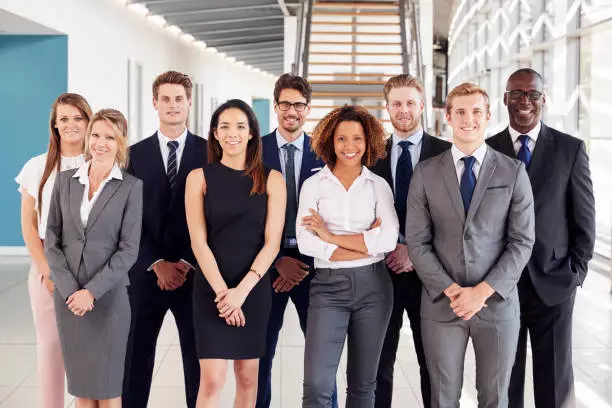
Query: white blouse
[83,175]
[29,179]
[348,212]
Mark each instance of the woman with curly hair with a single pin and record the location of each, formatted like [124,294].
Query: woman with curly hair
[346,222]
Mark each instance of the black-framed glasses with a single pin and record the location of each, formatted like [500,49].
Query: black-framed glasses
[285,106]
[518,94]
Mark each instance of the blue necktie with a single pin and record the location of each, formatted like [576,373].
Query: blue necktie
[403,174]
[524,154]
[171,172]
[468,182]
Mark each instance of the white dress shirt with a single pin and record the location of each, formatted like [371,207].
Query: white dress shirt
[533,137]
[347,212]
[415,150]
[29,179]
[165,150]
[479,155]
[83,175]
[297,156]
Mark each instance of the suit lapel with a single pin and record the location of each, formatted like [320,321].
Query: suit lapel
[385,165]
[484,178]
[309,160]
[449,173]
[106,194]
[270,151]
[188,157]
[425,147]
[76,198]
[544,145]
[157,160]
[505,144]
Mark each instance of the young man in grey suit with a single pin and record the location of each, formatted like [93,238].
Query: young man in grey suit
[469,231]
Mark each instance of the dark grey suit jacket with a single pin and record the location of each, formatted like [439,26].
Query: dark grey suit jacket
[492,243]
[99,256]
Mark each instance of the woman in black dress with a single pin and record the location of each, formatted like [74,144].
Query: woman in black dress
[235,212]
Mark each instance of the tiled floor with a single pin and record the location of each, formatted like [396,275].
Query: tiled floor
[18,384]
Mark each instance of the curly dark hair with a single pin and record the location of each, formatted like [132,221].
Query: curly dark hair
[323,134]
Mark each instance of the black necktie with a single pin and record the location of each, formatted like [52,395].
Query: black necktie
[524,154]
[291,212]
[468,182]
[171,172]
[403,174]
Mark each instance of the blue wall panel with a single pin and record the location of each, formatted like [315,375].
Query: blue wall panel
[262,111]
[33,72]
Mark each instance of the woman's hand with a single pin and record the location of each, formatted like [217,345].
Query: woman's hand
[49,284]
[236,319]
[229,300]
[314,223]
[80,302]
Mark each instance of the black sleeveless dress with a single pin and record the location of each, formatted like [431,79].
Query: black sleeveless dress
[235,223]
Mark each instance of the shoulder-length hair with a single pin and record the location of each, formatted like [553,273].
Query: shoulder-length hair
[54,153]
[323,134]
[254,164]
[118,123]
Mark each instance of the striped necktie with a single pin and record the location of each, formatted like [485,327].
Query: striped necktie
[171,172]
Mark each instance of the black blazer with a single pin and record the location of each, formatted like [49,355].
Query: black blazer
[430,146]
[310,163]
[164,224]
[564,211]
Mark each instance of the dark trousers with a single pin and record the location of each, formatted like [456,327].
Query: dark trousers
[407,289]
[348,302]
[550,332]
[149,306]
[299,296]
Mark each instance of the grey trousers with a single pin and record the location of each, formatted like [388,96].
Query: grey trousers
[494,344]
[356,302]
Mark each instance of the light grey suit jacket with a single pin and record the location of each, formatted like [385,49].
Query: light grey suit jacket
[492,243]
[99,256]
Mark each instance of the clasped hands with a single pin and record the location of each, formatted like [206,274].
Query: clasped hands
[467,301]
[171,275]
[80,302]
[229,303]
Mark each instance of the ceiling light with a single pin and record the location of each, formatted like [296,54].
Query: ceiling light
[212,50]
[174,30]
[157,20]
[139,8]
[188,38]
[200,44]
[231,59]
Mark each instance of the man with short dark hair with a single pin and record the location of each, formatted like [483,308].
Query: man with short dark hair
[558,168]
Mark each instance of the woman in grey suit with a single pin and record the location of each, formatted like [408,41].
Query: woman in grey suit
[92,240]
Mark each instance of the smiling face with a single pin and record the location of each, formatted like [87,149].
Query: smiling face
[103,145]
[233,132]
[524,113]
[469,118]
[405,108]
[71,124]
[172,104]
[291,120]
[349,143]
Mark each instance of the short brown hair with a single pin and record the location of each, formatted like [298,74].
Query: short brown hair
[290,81]
[117,121]
[403,81]
[172,77]
[323,134]
[466,89]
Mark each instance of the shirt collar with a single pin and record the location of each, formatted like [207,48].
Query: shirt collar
[83,172]
[414,138]
[281,141]
[365,174]
[163,139]
[533,133]
[479,154]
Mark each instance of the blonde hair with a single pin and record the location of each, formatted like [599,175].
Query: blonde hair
[466,89]
[403,81]
[118,123]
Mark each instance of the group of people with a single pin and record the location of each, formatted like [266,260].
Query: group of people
[476,239]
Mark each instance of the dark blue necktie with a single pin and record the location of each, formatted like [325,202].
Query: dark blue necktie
[291,213]
[524,154]
[468,182]
[171,172]
[403,174]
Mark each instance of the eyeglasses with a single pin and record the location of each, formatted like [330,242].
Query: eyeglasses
[285,106]
[518,95]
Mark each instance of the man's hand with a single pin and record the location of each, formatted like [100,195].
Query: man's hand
[398,260]
[169,275]
[470,301]
[80,302]
[453,291]
[183,267]
[291,272]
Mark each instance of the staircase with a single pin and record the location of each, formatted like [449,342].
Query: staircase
[350,50]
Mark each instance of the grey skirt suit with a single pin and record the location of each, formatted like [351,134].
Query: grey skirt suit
[96,257]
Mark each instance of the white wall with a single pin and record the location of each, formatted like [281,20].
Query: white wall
[103,35]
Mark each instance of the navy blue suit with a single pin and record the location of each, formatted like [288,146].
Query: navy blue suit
[299,294]
[164,236]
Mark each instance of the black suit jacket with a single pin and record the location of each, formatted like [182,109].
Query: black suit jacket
[310,163]
[564,211]
[430,146]
[164,224]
